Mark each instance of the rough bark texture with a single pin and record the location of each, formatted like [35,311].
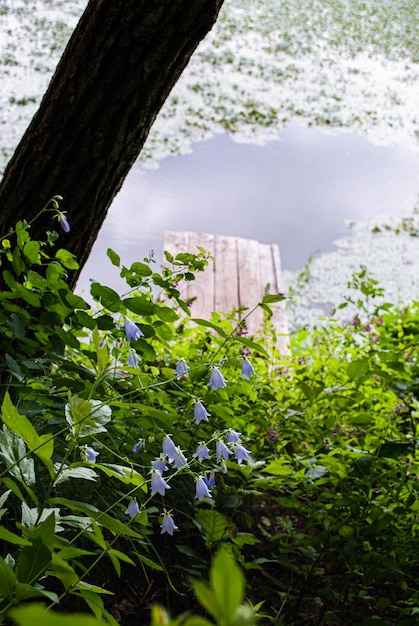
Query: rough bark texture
[118,69]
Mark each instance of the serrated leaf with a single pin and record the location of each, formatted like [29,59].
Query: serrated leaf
[213,523]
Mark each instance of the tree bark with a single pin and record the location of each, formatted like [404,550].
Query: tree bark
[119,66]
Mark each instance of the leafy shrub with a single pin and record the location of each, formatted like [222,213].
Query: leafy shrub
[136,443]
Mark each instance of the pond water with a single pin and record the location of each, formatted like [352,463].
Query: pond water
[296,192]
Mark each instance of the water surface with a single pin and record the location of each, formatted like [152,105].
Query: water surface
[296,192]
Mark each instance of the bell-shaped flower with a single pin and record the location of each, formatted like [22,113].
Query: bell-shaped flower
[179,458]
[90,455]
[181,369]
[159,464]
[63,222]
[137,447]
[132,358]
[169,448]
[241,453]
[216,380]
[222,450]
[201,489]
[133,508]
[200,413]
[210,480]
[158,484]
[247,368]
[132,331]
[168,524]
[233,436]
[202,452]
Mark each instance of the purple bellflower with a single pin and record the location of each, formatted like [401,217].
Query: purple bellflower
[210,481]
[222,450]
[200,413]
[158,484]
[137,447]
[241,453]
[201,489]
[179,458]
[181,369]
[247,368]
[133,508]
[168,524]
[132,331]
[216,380]
[90,455]
[159,464]
[169,448]
[132,358]
[233,436]
[201,452]
[63,222]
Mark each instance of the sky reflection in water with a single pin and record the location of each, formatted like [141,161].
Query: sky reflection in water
[296,192]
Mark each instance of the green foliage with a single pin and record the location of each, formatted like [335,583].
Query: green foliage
[311,463]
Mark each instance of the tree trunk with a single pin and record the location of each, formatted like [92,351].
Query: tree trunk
[119,66]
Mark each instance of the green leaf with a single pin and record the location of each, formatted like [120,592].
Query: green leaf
[213,523]
[33,560]
[358,368]
[67,338]
[115,526]
[62,570]
[42,446]
[274,297]
[7,535]
[75,471]
[87,417]
[114,257]
[125,474]
[107,297]
[7,580]
[208,324]
[31,251]
[394,449]
[18,464]
[251,344]
[141,269]
[24,591]
[39,615]
[67,259]
[228,583]
[207,599]
[15,325]
[140,305]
